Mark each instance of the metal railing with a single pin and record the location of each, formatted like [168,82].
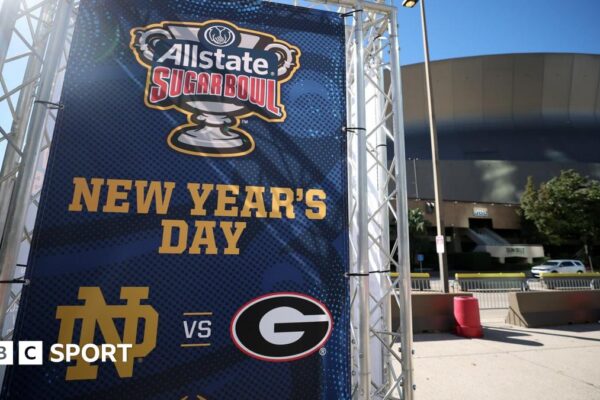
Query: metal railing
[553,281]
[419,281]
[491,290]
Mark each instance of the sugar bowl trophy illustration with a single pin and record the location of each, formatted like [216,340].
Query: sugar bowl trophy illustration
[217,74]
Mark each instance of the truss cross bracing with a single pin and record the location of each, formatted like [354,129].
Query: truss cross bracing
[35,37]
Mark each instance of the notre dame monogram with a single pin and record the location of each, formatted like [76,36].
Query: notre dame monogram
[94,312]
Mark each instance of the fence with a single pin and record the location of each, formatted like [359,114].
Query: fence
[579,281]
[491,290]
[419,281]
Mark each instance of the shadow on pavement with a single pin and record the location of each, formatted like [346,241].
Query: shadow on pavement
[490,334]
[435,337]
[508,336]
[564,328]
[516,336]
[581,328]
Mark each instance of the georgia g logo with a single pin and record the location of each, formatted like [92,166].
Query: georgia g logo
[281,327]
[216,73]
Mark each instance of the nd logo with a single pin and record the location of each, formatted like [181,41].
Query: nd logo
[95,312]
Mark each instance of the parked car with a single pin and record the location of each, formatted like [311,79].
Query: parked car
[559,266]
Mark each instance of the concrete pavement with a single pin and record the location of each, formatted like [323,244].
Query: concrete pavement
[509,363]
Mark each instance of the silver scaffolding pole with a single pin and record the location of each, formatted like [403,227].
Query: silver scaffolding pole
[384,189]
[20,199]
[364,381]
[8,18]
[16,136]
[404,285]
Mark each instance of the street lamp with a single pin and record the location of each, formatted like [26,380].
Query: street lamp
[437,189]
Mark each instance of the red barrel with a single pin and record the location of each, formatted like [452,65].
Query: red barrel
[466,313]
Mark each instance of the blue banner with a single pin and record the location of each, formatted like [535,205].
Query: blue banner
[192,238]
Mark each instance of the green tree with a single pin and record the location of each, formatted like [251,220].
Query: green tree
[529,231]
[417,232]
[564,209]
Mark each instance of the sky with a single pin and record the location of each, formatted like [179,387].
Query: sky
[462,28]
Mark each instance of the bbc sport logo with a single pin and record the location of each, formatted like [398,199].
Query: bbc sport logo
[32,352]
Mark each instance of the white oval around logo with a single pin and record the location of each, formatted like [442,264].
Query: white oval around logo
[283,326]
[219,36]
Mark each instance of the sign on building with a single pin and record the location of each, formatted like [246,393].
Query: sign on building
[480,212]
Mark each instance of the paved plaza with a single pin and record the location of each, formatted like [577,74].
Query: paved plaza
[509,363]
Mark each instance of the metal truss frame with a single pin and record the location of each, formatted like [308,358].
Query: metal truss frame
[35,36]
[34,43]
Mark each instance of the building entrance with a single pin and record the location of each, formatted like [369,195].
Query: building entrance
[480,223]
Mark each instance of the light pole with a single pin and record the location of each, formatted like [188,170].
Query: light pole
[414,162]
[437,189]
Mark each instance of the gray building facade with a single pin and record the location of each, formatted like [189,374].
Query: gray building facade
[500,119]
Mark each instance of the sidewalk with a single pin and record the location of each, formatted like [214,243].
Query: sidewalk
[509,363]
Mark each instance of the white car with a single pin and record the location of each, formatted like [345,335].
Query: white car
[559,266]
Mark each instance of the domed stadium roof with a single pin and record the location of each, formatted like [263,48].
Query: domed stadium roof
[515,107]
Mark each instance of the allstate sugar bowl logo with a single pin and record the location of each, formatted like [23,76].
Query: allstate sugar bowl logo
[216,73]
